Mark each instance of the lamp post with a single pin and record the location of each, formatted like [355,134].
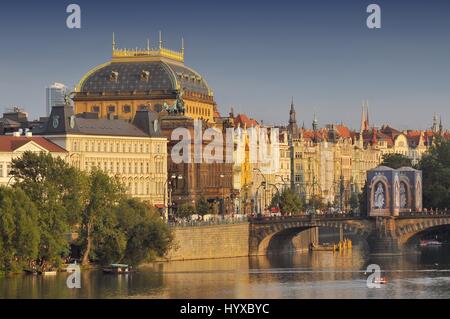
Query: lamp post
[285,181]
[222,176]
[9,180]
[264,183]
[169,190]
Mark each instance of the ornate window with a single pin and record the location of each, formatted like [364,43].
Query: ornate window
[403,195]
[96,109]
[379,198]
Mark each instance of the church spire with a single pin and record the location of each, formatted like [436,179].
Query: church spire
[113,42]
[367,115]
[293,128]
[363,118]
[315,123]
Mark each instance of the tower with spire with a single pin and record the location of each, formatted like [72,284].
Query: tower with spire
[315,123]
[292,127]
[365,117]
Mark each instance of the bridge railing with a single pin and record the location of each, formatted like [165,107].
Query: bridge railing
[217,221]
[307,217]
[429,213]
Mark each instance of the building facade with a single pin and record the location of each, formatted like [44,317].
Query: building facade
[136,153]
[331,163]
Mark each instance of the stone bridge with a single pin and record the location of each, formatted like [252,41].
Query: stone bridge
[383,235]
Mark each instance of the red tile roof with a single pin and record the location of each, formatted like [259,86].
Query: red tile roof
[10,143]
[244,120]
[343,131]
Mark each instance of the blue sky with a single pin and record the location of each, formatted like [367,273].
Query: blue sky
[254,54]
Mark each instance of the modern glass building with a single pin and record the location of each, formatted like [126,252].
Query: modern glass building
[55,94]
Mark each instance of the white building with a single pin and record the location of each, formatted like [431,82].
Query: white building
[13,146]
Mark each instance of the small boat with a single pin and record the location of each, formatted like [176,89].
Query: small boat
[31,271]
[381,281]
[432,242]
[48,273]
[118,269]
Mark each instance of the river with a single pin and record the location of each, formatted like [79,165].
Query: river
[421,274]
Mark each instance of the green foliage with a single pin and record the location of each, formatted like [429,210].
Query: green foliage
[133,233]
[317,202]
[19,229]
[396,161]
[51,198]
[203,207]
[363,206]
[148,239]
[354,201]
[185,211]
[435,168]
[288,202]
[97,217]
[58,191]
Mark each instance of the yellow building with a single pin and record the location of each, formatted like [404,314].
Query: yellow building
[134,152]
[144,79]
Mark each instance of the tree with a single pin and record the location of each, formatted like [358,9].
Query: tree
[288,201]
[19,229]
[396,161]
[58,192]
[185,211]
[148,239]
[363,205]
[354,201]
[202,207]
[104,193]
[133,233]
[435,168]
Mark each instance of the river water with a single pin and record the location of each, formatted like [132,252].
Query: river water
[421,274]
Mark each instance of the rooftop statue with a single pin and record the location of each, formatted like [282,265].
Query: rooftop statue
[177,107]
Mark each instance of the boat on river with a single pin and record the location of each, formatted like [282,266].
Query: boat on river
[428,243]
[118,269]
[381,281]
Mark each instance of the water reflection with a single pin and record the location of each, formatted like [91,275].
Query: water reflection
[424,274]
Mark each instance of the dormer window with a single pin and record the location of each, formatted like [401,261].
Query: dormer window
[111,109]
[126,109]
[114,76]
[145,75]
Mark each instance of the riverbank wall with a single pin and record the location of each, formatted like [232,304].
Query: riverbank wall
[210,241]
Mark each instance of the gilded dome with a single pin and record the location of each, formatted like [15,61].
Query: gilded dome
[143,72]
[141,77]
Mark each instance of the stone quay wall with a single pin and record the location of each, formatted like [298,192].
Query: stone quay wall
[210,241]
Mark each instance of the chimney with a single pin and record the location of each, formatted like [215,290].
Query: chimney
[16,134]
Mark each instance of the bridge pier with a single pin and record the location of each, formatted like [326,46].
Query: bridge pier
[383,238]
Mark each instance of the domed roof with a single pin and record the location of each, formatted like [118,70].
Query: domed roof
[382,168]
[142,76]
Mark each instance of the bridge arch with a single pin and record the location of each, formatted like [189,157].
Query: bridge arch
[409,230]
[263,232]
